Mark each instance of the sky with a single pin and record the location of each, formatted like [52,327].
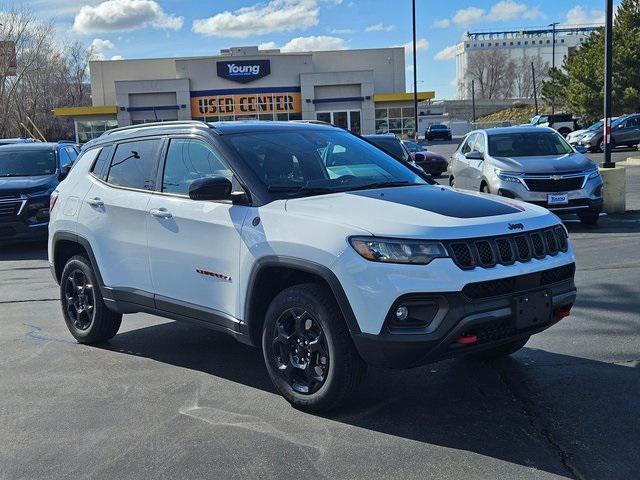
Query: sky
[167,28]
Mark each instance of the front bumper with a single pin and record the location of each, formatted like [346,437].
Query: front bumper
[491,319]
[19,231]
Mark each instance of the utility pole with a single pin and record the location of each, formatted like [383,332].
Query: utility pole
[608,58]
[415,74]
[553,59]
[473,99]
[535,93]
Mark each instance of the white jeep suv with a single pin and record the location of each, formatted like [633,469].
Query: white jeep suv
[305,240]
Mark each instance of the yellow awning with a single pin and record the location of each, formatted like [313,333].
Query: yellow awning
[402,97]
[83,111]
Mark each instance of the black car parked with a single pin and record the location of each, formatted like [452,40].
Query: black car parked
[437,131]
[29,172]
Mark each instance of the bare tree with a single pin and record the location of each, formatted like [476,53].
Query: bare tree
[492,72]
[47,76]
[523,77]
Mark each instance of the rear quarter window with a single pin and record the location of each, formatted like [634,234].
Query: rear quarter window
[101,165]
[135,164]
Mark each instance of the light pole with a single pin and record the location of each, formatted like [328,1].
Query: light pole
[473,100]
[415,74]
[553,59]
[535,93]
[608,58]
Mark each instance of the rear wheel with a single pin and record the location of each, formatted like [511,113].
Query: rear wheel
[452,181]
[308,350]
[502,350]
[87,317]
[484,188]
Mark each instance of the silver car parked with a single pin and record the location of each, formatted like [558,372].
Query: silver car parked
[532,164]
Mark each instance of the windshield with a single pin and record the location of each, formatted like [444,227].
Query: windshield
[438,127]
[312,161]
[27,163]
[391,145]
[413,146]
[527,144]
[538,119]
[595,126]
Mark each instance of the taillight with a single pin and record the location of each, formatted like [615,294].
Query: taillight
[52,200]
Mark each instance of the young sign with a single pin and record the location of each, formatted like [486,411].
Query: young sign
[243,71]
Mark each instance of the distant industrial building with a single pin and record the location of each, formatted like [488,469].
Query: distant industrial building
[532,44]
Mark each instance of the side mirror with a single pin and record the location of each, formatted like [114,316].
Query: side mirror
[581,149]
[474,155]
[64,172]
[210,188]
[418,157]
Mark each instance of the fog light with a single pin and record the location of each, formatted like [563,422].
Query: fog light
[402,313]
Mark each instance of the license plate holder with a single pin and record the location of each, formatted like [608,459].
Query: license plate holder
[532,309]
[558,198]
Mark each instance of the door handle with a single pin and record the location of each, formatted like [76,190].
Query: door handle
[160,213]
[95,202]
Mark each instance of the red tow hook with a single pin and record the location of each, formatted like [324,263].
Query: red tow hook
[562,312]
[467,339]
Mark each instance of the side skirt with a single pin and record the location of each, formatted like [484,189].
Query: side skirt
[124,300]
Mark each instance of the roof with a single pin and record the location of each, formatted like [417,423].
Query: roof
[514,129]
[242,126]
[31,146]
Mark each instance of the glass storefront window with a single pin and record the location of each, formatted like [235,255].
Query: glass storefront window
[90,129]
[382,113]
[395,113]
[396,120]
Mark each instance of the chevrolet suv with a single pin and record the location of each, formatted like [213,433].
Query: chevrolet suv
[29,172]
[306,241]
[533,164]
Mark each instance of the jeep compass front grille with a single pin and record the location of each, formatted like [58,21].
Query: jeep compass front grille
[488,252]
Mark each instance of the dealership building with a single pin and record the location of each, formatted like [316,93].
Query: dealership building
[361,90]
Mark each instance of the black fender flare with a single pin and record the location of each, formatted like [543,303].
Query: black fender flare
[306,266]
[83,242]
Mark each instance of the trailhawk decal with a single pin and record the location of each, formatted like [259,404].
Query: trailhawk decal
[443,201]
[208,273]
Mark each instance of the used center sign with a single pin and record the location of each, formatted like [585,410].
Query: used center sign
[243,71]
[286,102]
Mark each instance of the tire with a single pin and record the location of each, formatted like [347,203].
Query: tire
[322,373]
[484,188]
[452,181]
[85,313]
[590,218]
[501,351]
[564,131]
[601,144]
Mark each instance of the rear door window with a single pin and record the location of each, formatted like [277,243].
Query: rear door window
[135,164]
[101,166]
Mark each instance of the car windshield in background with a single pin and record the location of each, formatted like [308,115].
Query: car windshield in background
[391,145]
[412,146]
[527,144]
[438,127]
[595,126]
[313,162]
[27,163]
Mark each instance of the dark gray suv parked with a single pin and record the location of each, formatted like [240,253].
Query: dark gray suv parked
[625,131]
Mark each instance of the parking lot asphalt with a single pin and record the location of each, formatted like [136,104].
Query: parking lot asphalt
[170,400]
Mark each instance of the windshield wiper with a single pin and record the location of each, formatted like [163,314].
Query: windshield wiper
[299,190]
[388,183]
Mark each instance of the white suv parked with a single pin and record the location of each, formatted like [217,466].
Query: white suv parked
[305,240]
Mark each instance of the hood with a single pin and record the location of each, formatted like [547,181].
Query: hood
[26,185]
[422,211]
[576,133]
[572,162]
[429,155]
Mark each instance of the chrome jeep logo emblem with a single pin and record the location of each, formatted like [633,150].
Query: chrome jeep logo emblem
[556,177]
[515,226]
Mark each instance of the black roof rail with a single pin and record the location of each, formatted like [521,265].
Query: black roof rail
[155,124]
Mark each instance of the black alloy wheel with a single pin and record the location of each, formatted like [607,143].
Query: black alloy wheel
[79,299]
[300,351]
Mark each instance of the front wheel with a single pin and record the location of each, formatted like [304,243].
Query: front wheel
[308,350]
[590,218]
[87,317]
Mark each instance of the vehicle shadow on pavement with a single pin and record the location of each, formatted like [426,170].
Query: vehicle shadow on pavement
[628,222]
[23,251]
[557,413]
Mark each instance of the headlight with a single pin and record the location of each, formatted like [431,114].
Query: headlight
[507,176]
[391,250]
[588,136]
[593,174]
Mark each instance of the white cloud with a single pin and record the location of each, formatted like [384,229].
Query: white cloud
[380,27]
[124,15]
[506,10]
[442,23]
[468,16]
[117,57]
[422,45]
[447,53]
[259,19]
[100,45]
[267,46]
[341,31]
[308,44]
[578,15]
